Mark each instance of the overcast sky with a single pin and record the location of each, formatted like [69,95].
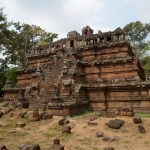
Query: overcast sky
[62,16]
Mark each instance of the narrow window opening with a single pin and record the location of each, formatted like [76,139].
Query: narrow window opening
[71,43]
[95,41]
[86,32]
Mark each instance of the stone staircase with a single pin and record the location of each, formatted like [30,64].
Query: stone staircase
[46,86]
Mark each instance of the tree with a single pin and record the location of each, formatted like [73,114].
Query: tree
[145,61]
[18,40]
[137,33]
[3,70]
[15,42]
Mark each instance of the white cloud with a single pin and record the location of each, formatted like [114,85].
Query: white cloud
[142,9]
[57,16]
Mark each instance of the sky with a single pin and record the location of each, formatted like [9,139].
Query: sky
[63,16]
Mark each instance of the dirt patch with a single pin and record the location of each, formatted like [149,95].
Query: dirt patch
[82,136]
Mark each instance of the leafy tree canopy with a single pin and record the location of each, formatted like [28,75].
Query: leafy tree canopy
[16,40]
[137,33]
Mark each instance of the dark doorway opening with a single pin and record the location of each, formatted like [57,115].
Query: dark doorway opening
[71,43]
[95,41]
[108,39]
[101,39]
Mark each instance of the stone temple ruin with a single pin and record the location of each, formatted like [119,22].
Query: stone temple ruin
[82,72]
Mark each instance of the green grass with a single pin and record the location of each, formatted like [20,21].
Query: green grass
[143,115]
[66,137]
[48,134]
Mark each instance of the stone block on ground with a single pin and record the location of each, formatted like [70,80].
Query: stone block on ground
[3,148]
[63,121]
[66,129]
[141,128]
[109,138]
[91,123]
[93,118]
[108,148]
[21,124]
[137,119]
[99,134]
[22,114]
[42,114]
[47,116]
[115,124]
[56,145]
[34,147]
[23,147]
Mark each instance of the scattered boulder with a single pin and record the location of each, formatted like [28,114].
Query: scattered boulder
[34,147]
[126,111]
[141,128]
[42,114]
[20,124]
[109,138]
[8,111]
[91,123]
[23,147]
[56,145]
[115,124]
[99,134]
[110,113]
[4,148]
[108,148]
[63,121]
[36,113]
[23,114]
[66,129]
[93,118]
[1,114]
[130,114]
[47,116]
[12,131]
[137,119]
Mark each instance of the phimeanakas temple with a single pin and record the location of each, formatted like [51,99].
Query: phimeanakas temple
[82,72]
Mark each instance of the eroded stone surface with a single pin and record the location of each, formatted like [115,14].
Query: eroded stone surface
[82,72]
[115,124]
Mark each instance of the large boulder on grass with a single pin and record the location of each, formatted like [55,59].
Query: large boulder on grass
[137,119]
[56,145]
[99,134]
[34,147]
[141,128]
[63,121]
[115,124]
[108,148]
[47,116]
[23,147]
[42,114]
[3,148]
[66,129]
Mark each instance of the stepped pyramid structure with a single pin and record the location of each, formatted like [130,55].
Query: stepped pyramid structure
[82,72]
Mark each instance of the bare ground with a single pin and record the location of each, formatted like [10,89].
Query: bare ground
[82,136]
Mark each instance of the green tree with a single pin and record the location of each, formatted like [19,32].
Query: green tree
[145,61]
[137,33]
[15,42]
[11,75]
[18,40]
[3,70]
